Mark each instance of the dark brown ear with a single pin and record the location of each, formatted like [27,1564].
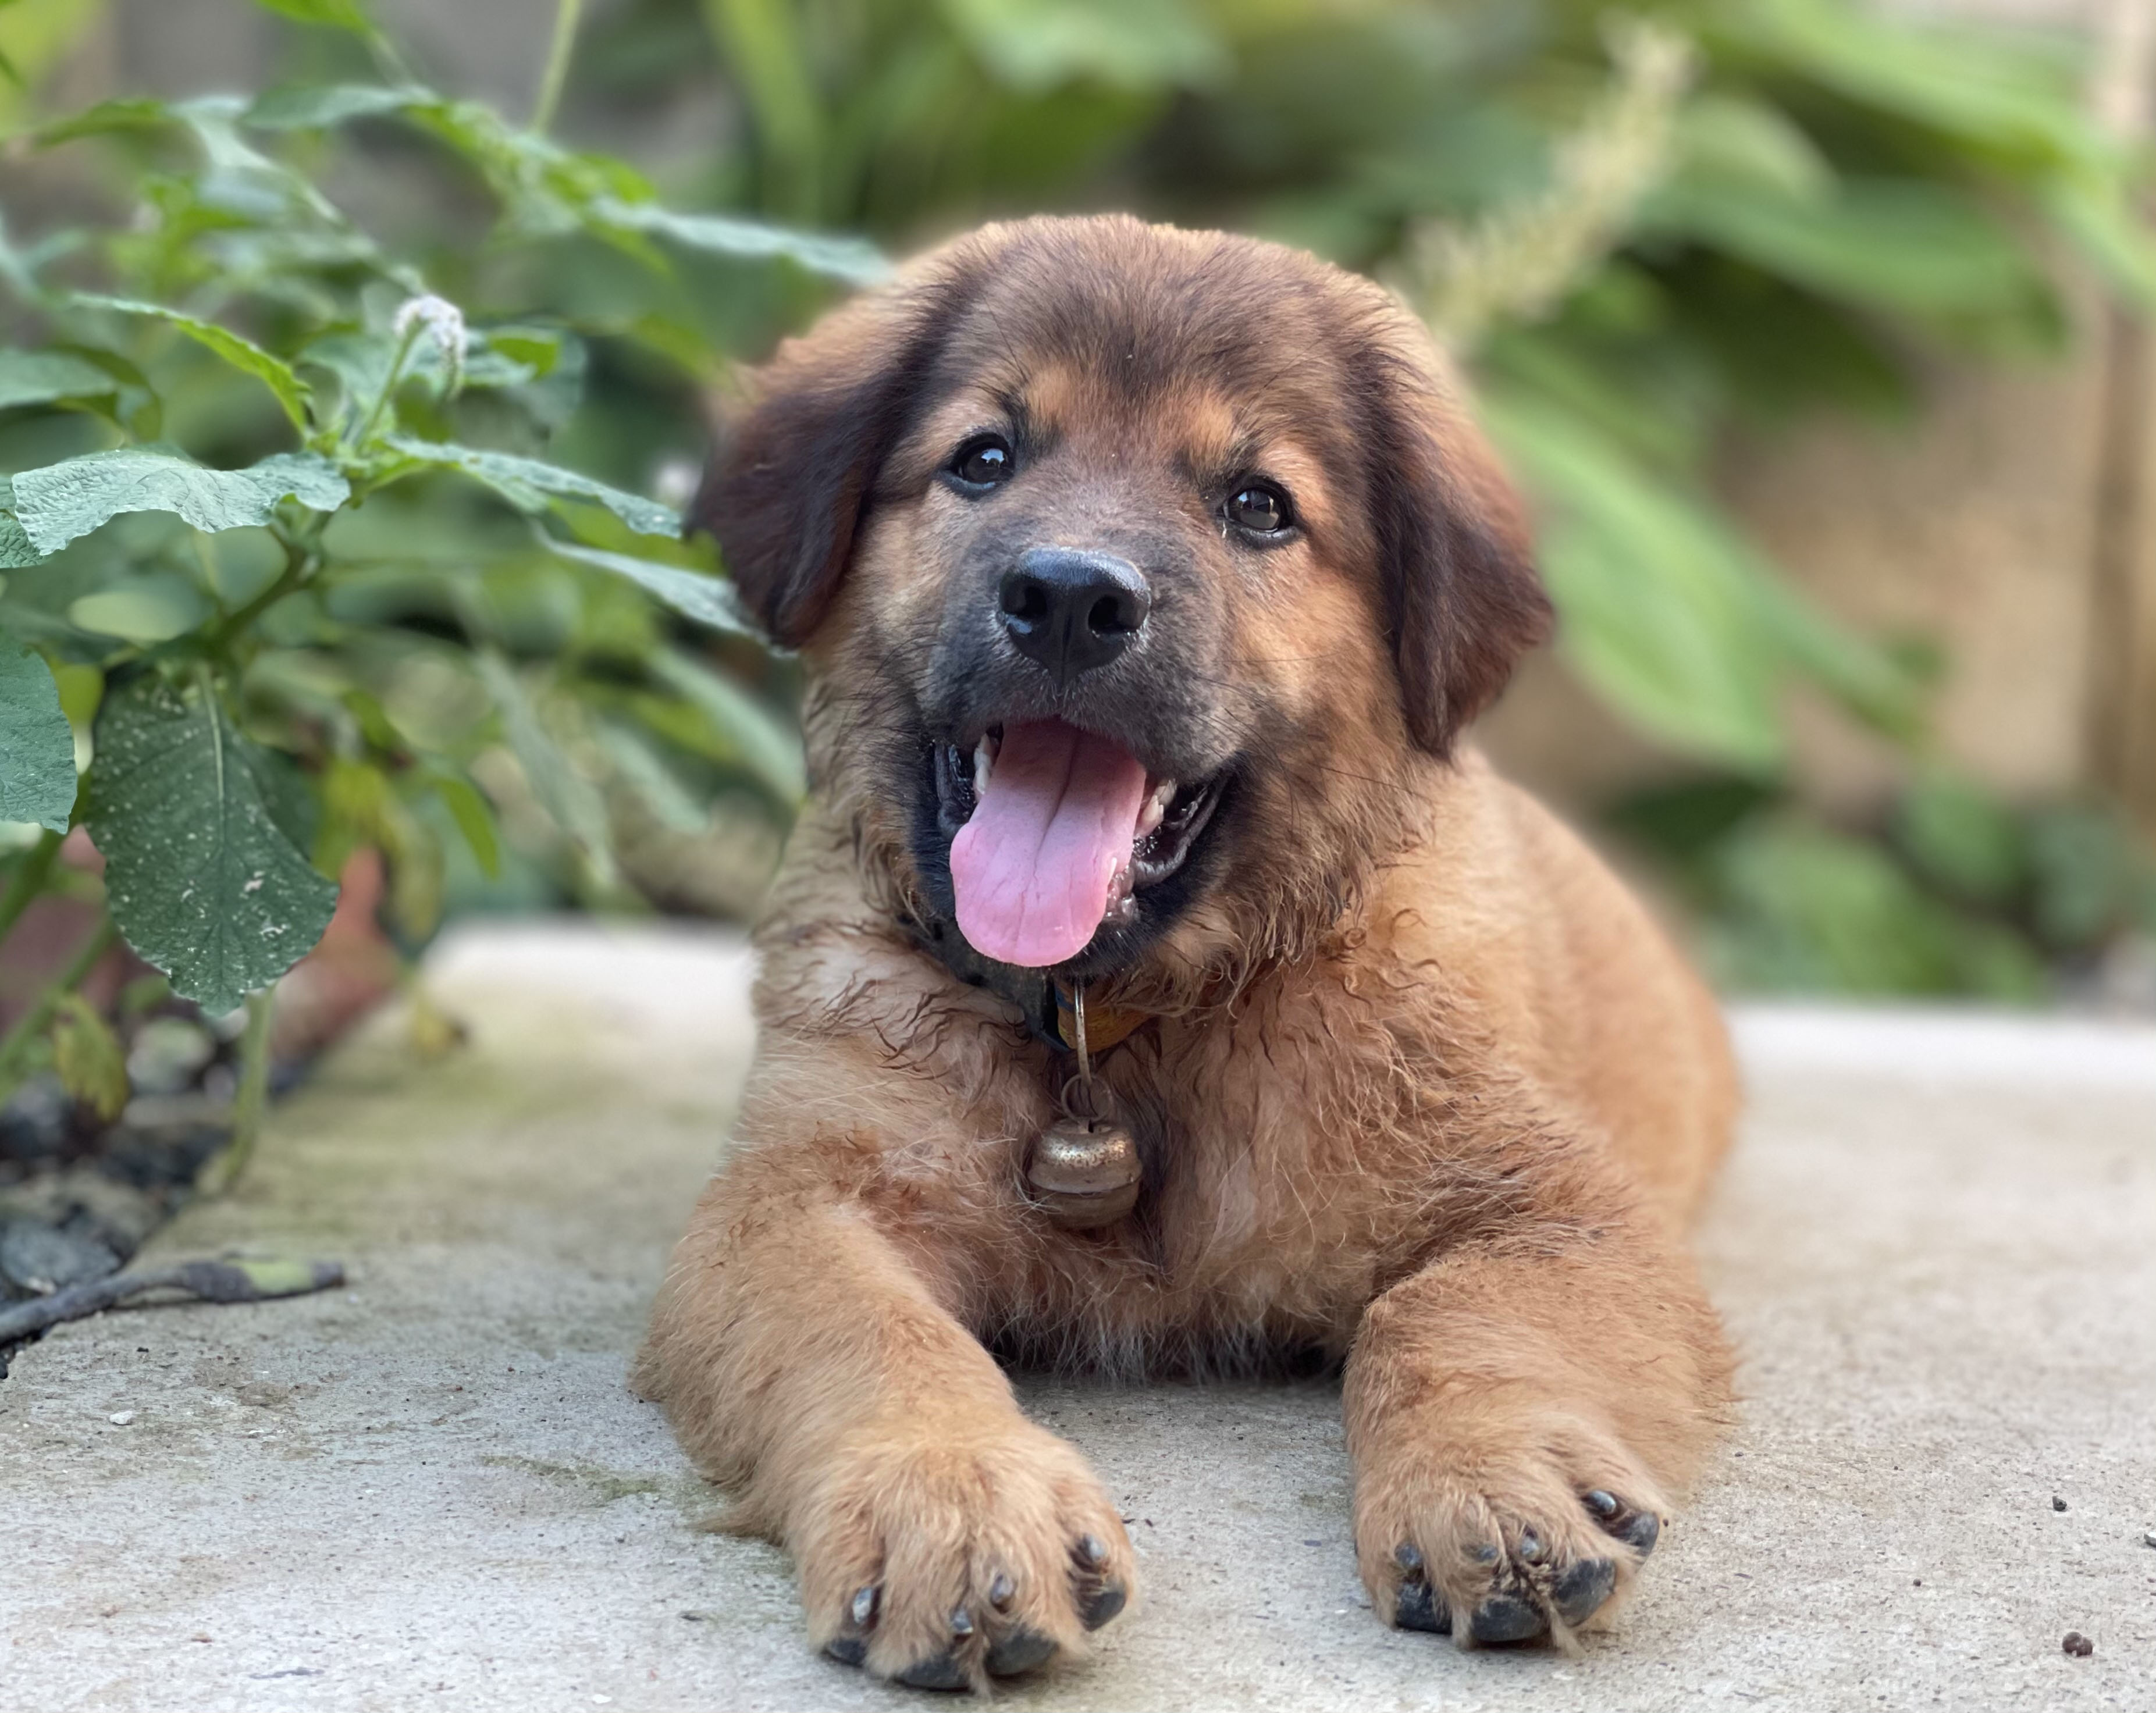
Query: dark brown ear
[796,456]
[1462,590]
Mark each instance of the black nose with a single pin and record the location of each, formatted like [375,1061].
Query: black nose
[1072,609]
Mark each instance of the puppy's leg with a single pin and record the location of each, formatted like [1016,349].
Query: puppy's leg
[1519,1409]
[804,1360]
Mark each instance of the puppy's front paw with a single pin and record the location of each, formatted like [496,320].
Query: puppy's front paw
[940,1553]
[1528,1523]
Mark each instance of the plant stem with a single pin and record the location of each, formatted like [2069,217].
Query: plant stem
[32,1022]
[30,880]
[389,385]
[565,15]
[253,1096]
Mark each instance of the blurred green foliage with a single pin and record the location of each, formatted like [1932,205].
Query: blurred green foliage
[1646,234]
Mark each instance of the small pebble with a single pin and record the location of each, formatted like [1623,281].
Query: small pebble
[2149,1538]
[2057,1503]
[2077,1644]
[120,1419]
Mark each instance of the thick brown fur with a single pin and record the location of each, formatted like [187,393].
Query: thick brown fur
[1426,1092]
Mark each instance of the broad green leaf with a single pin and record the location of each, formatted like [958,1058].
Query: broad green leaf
[37,746]
[1909,246]
[1144,45]
[474,819]
[525,482]
[708,600]
[855,260]
[1654,611]
[1750,143]
[16,552]
[28,377]
[320,107]
[243,354]
[133,112]
[202,881]
[2000,98]
[144,610]
[63,501]
[332,14]
[2100,216]
[638,765]
[769,746]
[573,800]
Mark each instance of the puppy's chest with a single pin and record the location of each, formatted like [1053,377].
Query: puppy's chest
[1269,1156]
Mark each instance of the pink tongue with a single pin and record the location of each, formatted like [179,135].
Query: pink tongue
[1033,867]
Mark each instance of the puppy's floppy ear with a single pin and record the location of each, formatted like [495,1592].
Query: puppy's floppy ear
[796,456]
[1461,592]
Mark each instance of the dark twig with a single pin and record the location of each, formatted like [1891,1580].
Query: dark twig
[209,1281]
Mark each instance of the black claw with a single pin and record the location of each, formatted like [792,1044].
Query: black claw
[1580,1591]
[847,1650]
[940,1672]
[961,1622]
[1605,1506]
[864,1606]
[1419,1608]
[1001,1590]
[1407,1557]
[1483,1553]
[1103,1605]
[1092,1552]
[1021,1650]
[1505,1617]
[1640,1533]
[1531,1546]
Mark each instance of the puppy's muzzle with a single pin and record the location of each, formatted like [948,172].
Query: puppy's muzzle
[1072,610]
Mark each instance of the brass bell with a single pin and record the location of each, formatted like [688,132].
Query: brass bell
[1084,1173]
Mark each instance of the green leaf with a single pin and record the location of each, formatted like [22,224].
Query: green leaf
[135,113]
[37,746]
[855,260]
[16,552]
[1140,45]
[331,14]
[243,354]
[201,880]
[573,800]
[524,482]
[474,819]
[87,1055]
[769,747]
[1902,245]
[320,107]
[28,377]
[1654,613]
[1961,838]
[63,501]
[708,600]
[144,610]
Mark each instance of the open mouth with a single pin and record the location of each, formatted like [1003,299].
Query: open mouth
[1054,831]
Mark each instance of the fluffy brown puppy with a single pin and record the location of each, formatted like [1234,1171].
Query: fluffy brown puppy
[1144,581]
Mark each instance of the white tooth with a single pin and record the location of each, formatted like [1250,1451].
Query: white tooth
[984,759]
[1156,806]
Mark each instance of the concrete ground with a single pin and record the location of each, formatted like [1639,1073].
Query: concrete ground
[1936,1246]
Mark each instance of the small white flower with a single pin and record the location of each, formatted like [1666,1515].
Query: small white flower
[444,323]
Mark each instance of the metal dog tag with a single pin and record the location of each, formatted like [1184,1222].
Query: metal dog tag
[1084,1171]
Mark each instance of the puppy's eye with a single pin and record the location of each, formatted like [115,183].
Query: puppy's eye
[984,461]
[1260,508]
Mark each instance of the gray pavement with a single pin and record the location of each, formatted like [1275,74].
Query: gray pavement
[1936,1246]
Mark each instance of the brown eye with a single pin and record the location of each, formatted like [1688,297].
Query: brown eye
[983,462]
[1260,508]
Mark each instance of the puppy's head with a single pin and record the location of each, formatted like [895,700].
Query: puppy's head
[1134,568]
